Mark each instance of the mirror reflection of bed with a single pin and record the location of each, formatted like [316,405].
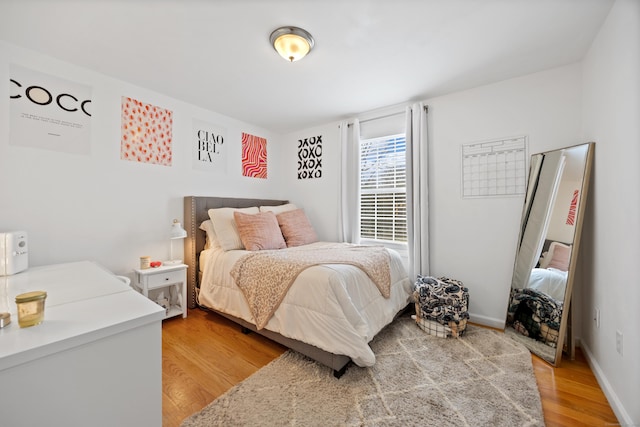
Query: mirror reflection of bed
[538,308]
[550,276]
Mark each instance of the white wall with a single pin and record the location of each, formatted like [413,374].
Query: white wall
[319,197]
[558,228]
[101,208]
[473,240]
[611,267]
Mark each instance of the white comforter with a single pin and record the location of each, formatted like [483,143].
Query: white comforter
[551,281]
[334,307]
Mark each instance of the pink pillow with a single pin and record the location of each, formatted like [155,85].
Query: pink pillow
[296,228]
[560,256]
[259,231]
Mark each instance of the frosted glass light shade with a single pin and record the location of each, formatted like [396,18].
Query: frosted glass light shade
[177,232]
[292,43]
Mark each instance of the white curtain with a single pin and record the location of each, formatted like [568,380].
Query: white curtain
[349,218]
[417,190]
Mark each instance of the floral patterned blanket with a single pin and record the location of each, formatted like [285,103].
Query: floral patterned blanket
[443,300]
[264,277]
[540,320]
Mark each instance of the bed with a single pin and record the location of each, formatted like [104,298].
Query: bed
[330,312]
[550,281]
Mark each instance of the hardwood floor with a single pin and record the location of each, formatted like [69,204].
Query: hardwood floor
[205,354]
[570,394]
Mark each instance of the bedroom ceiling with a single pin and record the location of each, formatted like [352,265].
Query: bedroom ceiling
[368,54]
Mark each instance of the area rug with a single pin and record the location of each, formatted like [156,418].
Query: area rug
[481,379]
[543,350]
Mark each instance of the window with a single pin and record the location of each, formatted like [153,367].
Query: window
[383,189]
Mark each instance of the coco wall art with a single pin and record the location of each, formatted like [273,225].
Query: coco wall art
[254,156]
[209,150]
[146,134]
[48,112]
[310,157]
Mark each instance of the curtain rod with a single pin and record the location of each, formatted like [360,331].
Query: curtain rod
[426,109]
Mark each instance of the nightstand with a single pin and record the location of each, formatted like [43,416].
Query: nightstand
[166,282]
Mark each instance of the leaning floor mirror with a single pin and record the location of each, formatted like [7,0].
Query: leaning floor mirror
[547,250]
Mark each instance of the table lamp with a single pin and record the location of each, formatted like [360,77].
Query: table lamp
[177,232]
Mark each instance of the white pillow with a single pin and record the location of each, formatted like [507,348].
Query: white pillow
[278,209]
[212,239]
[225,226]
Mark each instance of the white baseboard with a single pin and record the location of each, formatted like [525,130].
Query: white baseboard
[487,321]
[623,416]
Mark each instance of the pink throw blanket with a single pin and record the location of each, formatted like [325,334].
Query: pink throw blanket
[264,277]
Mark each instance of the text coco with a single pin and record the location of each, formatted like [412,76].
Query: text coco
[41,96]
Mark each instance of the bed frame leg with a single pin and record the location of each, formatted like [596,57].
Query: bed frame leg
[246,331]
[340,373]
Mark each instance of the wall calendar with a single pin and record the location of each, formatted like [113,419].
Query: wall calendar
[494,168]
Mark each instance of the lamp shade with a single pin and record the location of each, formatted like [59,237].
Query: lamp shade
[177,232]
[292,43]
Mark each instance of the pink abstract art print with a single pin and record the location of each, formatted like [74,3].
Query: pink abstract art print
[571,216]
[146,135]
[254,156]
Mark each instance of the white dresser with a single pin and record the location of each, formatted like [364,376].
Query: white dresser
[96,360]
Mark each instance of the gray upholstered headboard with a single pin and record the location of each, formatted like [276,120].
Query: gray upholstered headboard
[196,210]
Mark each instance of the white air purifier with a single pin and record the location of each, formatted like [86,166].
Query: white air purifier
[14,252]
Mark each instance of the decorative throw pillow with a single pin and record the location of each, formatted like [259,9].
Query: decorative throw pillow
[259,231]
[560,255]
[212,239]
[225,226]
[296,228]
[279,208]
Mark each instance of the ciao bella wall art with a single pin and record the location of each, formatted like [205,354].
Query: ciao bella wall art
[310,157]
[209,150]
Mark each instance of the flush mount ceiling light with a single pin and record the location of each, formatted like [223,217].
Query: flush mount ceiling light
[292,43]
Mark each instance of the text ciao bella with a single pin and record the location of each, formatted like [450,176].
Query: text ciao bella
[208,145]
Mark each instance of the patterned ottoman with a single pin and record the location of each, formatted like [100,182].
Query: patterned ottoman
[442,306]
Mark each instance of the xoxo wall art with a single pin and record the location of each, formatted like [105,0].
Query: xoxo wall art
[310,157]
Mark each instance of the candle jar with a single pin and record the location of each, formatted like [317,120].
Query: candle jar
[30,308]
[145,262]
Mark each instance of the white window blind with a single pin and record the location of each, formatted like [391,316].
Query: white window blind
[383,189]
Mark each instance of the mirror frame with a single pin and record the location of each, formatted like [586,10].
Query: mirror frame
[565,319]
